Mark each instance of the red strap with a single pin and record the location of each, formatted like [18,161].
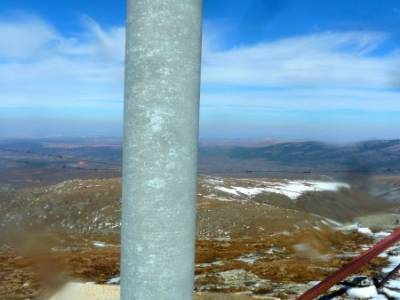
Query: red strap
[352,266]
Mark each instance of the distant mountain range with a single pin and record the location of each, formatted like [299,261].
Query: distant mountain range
[363,157]
[228,158]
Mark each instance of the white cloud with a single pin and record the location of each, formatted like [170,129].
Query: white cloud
[96,42]
[25,36]
[323,71]
[42,67]
[39,66]
[318,60]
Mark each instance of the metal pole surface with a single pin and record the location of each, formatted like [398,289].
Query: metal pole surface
[162,81]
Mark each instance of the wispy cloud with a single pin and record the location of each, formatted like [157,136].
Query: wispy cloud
[25,37]
[323,71]
[40,66]
[327,59]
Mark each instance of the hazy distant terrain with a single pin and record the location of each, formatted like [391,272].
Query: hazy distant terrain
[303,158]
[54,160]
[37,162]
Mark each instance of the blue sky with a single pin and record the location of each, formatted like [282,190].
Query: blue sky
[272,69]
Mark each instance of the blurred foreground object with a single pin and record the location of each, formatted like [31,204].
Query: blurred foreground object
[162,88]
[85,291]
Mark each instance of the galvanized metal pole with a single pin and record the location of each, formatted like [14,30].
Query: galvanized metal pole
[160,148]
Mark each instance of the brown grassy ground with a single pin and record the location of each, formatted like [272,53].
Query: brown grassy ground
[285,246]
[29,275]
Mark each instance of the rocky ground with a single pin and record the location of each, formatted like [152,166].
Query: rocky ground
[278,265]
[256,237]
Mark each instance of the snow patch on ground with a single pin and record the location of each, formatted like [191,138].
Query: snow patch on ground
[292,189]
[249,258]
[330,222]
[115,280]
[365,230]
[363,292]
[227,190]
[391,293]
[394,284]
[102,244]
[394,261]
